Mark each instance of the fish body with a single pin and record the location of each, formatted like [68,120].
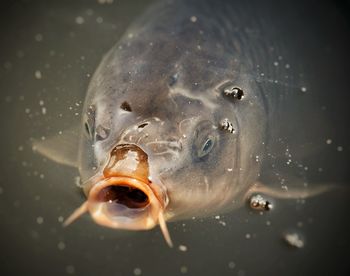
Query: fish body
[178,115]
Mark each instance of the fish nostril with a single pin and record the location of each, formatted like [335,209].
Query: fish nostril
[142,125]
[126,106]
[125,195]
[102,133]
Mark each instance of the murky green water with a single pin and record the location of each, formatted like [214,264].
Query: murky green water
[49,51]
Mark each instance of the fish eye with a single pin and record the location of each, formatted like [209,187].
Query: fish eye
[204,140]
[207,146]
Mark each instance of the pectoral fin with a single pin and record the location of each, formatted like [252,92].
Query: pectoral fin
[289,193]
[61,148]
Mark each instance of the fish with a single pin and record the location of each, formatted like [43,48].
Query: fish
[180,116]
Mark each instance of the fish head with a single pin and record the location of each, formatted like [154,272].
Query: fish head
[153,142]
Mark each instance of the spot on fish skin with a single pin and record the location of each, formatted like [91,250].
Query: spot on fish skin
[126,106]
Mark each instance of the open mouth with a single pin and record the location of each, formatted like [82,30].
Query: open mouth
[124,198]
[128,196]
[124,203]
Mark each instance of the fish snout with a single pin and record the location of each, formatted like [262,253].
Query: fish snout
[159,137]
[125,197]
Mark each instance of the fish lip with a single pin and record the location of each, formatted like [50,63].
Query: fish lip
[154,206]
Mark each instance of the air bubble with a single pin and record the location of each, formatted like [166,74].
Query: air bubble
[257,202]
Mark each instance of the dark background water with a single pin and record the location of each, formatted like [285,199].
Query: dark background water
[49,50]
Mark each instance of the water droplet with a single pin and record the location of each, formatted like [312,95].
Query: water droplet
[182,248]
[183,269]
[70,269]
[339,148]
[38,37]
[294,240]
[329,141]
[303,89]
[193,19]
[257,202]
[137,271]
[40,220]
[79,20]
[61,245]
[231,265]
[38,74]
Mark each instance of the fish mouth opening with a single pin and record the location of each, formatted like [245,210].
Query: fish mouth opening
[125,195]
[124,203]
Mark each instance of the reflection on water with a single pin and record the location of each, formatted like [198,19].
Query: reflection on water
[48,54]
